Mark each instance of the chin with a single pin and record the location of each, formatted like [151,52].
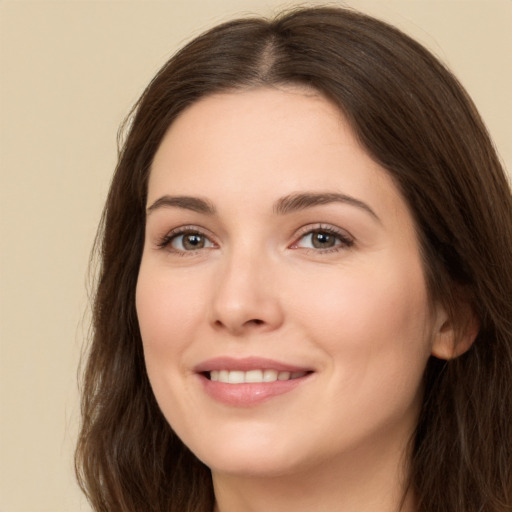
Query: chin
[251,466]
[248,456]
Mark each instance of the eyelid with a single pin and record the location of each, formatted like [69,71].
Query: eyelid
[347,240]
[164,242]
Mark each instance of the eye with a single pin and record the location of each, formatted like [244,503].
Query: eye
[323,238]
[185,241]
[190,242]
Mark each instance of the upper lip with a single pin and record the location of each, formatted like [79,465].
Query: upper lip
[246,364]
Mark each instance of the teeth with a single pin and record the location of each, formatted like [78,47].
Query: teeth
[270,375]
[252,376]
[236,377]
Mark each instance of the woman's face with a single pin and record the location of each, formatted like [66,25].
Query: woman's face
[277,249]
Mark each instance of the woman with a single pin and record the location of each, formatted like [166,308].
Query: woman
[304,300]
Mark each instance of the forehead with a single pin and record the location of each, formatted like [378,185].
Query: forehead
[269,141]
[266,122]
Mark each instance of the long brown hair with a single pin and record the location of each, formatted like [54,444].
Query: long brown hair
[416,121]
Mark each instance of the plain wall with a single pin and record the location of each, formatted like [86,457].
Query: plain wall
[69,72]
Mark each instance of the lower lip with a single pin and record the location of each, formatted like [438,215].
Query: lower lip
[246,395]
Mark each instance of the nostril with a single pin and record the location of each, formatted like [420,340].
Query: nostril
[240,327]
[255,321]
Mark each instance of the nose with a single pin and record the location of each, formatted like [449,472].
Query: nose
[246,297]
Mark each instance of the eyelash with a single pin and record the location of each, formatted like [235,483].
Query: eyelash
[345,240]
[166,241]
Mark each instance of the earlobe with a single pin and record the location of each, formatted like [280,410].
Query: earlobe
[451,340]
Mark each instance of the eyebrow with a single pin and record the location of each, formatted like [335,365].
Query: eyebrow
[283,206]
[194,204]
[301,201]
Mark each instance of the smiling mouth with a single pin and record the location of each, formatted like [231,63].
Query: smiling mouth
[250,381]
[252,376]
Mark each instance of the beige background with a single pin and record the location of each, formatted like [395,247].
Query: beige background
[69,72]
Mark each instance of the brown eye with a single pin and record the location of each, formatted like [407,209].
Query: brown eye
[190,242]
[322,240]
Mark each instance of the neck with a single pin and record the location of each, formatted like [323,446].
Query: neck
[352,483]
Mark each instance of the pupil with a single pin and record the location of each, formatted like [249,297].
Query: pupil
[322,240]
[193,242]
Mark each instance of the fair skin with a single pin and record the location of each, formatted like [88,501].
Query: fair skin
[275,243]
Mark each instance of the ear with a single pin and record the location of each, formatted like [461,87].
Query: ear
[453,338]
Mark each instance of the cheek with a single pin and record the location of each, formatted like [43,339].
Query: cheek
[376,332]
[167,311]
[371,323]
